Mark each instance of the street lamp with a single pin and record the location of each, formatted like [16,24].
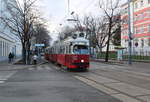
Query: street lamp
[129,35]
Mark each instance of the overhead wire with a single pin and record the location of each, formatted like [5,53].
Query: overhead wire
[82,10]
[88,6]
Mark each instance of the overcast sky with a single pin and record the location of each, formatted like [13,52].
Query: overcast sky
[56,11]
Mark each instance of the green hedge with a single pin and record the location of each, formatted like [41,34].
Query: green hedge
[137,57]
[112,55]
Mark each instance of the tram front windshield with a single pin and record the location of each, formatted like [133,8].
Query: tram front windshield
[80,49]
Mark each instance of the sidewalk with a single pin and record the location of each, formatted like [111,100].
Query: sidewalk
[11,66]
[137,65]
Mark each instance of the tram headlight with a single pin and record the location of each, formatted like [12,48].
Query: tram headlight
[82,60]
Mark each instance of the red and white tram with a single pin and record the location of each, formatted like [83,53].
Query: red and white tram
[72,53]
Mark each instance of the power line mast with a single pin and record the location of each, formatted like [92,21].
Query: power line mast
[68,7]
[129,35]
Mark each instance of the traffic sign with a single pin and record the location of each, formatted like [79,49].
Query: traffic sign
[39,45]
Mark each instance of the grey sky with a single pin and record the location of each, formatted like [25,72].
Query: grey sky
[56,11]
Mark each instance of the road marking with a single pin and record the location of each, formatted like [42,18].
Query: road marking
[57,68]
[97,86]
[39,68]
[100,79]
[5,75]
[129,89]
[31,68]
[47,68]
[125,98]
[109,90]
[2,82]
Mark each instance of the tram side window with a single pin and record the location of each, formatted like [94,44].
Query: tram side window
[69,48]
[65,49]
[53,50]
[57,50]
[61,50]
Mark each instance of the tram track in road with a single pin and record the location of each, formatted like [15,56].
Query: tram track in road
[124,97]
[104,86]
[113,87]
[107,83]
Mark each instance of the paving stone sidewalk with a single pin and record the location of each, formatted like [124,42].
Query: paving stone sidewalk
[11,66]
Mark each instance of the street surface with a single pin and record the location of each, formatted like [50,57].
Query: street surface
[127,83]
[47,83]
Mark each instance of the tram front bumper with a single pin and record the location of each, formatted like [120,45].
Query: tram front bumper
[81,65]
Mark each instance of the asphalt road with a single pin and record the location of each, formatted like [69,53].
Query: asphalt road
[46,83]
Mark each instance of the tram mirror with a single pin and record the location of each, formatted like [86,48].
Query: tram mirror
[81,35]
[74,36]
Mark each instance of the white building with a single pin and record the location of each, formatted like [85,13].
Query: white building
[8,41]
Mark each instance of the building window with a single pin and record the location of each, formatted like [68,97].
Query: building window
[149,28]
[149,42]
[135,17]
[142,42]
[148,14]
[136,5]
[3,48]
[125,11]
[136,30]
[142,29]
[142,15]
[0,48]
[141,2]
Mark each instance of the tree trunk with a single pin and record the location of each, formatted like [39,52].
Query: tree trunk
[107,50]
[109,34]
[24,53]
[28,52]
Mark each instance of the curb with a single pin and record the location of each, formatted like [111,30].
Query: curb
[118,62]
[98,60]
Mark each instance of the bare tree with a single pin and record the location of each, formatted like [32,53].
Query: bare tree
[111,12]
[101,33]
[65,32]
[42,35]
[21,20]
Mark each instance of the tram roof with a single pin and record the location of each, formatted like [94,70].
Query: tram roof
[76,40]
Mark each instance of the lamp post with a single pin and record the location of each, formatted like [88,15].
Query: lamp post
[129,35]
[68,7]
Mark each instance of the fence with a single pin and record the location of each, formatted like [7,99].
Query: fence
[136,56]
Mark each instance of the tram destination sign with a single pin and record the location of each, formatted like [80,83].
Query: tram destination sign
[39,45]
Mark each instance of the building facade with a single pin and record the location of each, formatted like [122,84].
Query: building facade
[140,26]
[8,41]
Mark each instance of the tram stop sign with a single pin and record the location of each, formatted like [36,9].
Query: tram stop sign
[39,45]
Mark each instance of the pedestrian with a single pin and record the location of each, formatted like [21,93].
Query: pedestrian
[13,56]
[35,59]
[10,57]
